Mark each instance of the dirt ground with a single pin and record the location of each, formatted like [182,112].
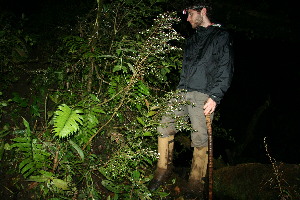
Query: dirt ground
[244,182]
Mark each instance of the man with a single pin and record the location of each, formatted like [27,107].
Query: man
[206,75]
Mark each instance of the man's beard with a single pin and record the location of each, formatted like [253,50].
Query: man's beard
[198,22]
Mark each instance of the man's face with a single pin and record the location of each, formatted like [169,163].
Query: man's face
[194,18]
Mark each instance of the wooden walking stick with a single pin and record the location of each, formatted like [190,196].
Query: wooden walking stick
[210,157]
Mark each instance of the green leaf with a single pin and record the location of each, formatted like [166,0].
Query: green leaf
[27,126]
[22,146]
[148,161]
[60,184]
[89,55]
[163,194]
[24,162]
[147,133]
[46,173]
[92,119]
[66,121]
[119,51]
[136,175]
[111,186]
[94,97]
[54,98]
[39,179]
[141,121]
[131,67]
[151,113]
[27,167]
[78,149]
[117,68]
[98,110]
[138,106]
[143,89]
[7,147]
[29,172]
[20,139]
[41,156]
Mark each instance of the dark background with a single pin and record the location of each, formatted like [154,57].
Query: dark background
[263,98]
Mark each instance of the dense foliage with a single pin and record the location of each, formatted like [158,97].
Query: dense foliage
[102,96]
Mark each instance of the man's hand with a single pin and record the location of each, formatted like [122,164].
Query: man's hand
[209,107]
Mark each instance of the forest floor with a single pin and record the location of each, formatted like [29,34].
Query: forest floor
[244,182]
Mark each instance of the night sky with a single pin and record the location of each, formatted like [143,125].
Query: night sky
[266,71]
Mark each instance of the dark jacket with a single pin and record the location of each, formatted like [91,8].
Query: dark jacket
[208,62]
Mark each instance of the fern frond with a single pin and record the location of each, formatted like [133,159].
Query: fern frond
[35,157]
[90,125]
[66,121]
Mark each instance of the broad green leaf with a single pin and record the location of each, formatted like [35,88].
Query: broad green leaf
[60,184]
[66,121]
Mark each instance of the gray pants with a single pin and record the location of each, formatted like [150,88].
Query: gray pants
[192,111]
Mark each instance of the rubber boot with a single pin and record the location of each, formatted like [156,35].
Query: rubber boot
[164,164]
[198,173]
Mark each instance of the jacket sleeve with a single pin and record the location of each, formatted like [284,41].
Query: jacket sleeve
[224,63]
